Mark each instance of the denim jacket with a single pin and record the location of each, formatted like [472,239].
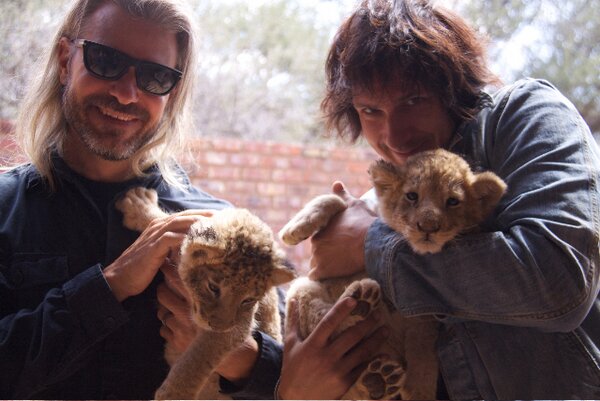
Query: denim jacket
[518,302]
[63,335]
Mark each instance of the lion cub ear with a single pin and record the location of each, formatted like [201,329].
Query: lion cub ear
[487,189]
[281,274]
[203,243]
[384,176]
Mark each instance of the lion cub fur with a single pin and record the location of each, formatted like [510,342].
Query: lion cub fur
[230,265]
[430,200]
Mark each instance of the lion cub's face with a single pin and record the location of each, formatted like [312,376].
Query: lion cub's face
[227,264]
[433,197]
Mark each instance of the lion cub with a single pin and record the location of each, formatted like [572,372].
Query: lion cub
[230,266]
[430,200]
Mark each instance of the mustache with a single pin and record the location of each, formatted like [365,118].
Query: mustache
[112,103]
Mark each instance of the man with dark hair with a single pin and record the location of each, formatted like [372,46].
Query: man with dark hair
[517,302]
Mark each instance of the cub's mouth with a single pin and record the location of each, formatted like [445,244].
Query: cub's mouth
[212,324]
[427,243]
[220,327]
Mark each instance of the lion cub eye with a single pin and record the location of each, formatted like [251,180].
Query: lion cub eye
[412,196]
[248,301]
[214,289]
[452,202]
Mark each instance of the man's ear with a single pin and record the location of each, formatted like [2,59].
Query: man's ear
[64,55]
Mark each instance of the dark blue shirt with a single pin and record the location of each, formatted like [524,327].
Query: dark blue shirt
[63,335]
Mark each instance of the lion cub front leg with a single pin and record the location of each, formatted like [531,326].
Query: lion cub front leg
[139,207]
[315,299]
[313,217]
[191,371]
[384,377]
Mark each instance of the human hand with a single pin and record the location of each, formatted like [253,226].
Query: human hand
[174,308]
[338,249]
[133,271]
[323,367]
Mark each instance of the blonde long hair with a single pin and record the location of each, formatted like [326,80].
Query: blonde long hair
[41,125]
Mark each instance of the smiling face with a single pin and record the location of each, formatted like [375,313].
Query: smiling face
[398,122]
[111,120]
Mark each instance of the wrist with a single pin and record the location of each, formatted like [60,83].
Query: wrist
[114,283]
[285,392]
[277,392]
[363,240]
[281,393]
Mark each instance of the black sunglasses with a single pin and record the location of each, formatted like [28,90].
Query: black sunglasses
[107,63]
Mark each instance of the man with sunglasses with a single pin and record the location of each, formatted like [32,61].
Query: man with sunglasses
[78,292]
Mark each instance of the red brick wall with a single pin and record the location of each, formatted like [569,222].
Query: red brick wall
[271,179]
[274,180]
[9,151]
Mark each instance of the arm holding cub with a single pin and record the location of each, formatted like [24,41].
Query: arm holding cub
[430,200]
[225,283]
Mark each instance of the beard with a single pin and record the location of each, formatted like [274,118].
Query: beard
[105,142]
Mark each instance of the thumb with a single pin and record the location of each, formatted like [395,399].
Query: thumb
[340,190]
[313,274]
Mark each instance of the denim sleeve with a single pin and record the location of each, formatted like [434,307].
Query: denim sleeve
[48,343]
[535,263]
[264,376]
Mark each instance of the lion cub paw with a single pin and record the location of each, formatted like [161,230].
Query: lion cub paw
[382,379]
[312,218]
[296,234]
[139,207]
[368,294]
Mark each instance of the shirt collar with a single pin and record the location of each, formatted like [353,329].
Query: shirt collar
[62,171]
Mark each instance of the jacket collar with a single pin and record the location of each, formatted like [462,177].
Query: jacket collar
[62,172]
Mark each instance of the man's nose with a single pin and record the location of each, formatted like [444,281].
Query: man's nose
[395,131]
[125,89]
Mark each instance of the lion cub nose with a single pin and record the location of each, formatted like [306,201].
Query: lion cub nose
[428,226]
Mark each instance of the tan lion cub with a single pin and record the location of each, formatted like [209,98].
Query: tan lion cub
[431,199]
[230,266]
